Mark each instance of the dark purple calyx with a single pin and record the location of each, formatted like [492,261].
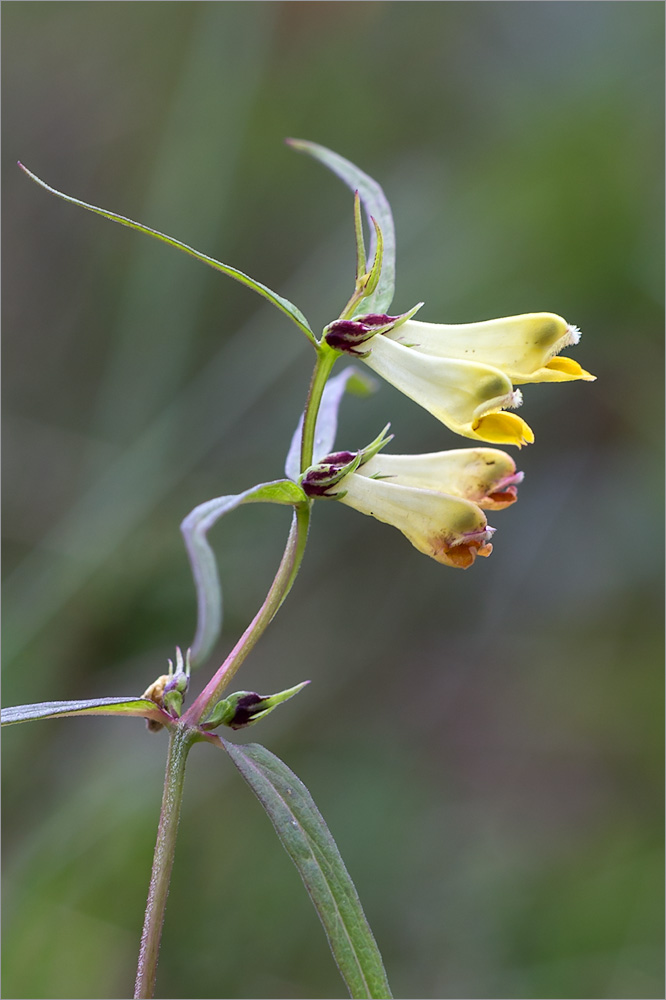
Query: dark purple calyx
[319,478]
[378,319]
[247,707]
[348,335]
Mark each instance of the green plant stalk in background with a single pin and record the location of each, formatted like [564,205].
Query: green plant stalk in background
[436,500]
[180,741]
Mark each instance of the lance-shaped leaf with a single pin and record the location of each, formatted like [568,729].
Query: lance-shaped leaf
[376,207]
[202,560]
[284,305]
[356,383]
[141,707]
[306,838]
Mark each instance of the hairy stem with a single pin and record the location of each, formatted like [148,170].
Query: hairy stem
[180,741]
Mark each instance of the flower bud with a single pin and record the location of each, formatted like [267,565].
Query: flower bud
[319,478]
[244,708]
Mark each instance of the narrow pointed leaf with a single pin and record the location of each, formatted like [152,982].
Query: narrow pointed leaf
[284,305]
[356,383]
[361,264]
[306,838]
[202,559]
[142,707]
[376,206]
[376,270]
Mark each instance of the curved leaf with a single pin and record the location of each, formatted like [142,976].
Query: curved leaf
[284,305]
[306,838]
[142,707]
[202,559]
[356,383]
[376,207]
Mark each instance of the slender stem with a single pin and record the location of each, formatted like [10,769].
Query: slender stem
[186,733]
[326,358]
[180,741]
[291,559]
[282,584]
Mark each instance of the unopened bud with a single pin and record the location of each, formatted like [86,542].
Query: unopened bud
[244,708]
[168,690]
[319,478]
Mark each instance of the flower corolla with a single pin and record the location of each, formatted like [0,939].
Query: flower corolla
[486,476]
[464,375]
[435,499]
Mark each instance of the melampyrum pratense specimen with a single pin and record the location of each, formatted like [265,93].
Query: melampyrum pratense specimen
[466,377]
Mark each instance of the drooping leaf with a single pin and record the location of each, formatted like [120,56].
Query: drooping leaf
[356,383]
[202,559]
[141,707]
[376,207]
[284,305]
[306,838]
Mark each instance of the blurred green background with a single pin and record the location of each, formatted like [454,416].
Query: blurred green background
[485,746]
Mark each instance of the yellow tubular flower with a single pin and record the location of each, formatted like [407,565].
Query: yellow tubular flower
[523,347]
[466,395]
[449,529]
[485,476]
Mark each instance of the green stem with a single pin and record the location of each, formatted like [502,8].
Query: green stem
[282,584]
[291,559]
[326,358]
[180,741]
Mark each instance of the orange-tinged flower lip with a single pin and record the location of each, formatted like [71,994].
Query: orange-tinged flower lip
[503,494]
[462,555]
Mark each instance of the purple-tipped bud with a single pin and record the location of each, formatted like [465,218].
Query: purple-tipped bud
[319,478]
[347,335]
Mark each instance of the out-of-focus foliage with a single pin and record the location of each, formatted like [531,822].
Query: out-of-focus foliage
[485,746]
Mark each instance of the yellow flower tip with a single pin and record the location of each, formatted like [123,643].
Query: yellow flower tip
[566,369]
[503,428]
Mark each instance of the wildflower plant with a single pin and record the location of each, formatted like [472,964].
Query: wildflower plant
[465,376]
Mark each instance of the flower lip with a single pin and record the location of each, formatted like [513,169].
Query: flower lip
[463,554]
[503,493]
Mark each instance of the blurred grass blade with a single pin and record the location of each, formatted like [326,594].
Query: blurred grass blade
[376,206]
[287,307]
[142,707]
[356,383]
[306,838]
[202,559]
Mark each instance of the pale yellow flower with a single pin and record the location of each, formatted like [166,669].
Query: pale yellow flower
[485,476]
[524,347]
[465,375]
[468,396]
[451,530]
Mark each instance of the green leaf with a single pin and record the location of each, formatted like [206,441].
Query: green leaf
[284,305]
[202,559]
[95,706]
[306,838]
[375,274]
[356,383]
[376,207]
